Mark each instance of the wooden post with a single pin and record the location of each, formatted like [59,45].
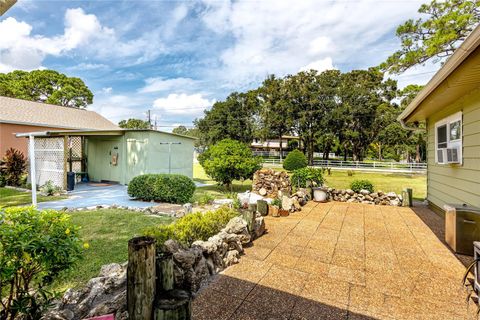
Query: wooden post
[165,277]
[170,304]
[141,278]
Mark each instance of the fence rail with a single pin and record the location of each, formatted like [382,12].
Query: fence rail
[401,167]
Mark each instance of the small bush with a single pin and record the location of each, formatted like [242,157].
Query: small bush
[229,160]
[350,173]
[295,160]
[205,199]
[307,177]
[13,167]
[358,185]
[277,202]
[192,227]
[35,247]
[49,189]
[172,188]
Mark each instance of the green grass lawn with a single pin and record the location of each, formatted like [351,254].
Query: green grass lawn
[10,198]
[382,181]
[213,189]
[107,232]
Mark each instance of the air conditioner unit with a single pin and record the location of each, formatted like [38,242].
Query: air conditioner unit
[441,157]
[453,155]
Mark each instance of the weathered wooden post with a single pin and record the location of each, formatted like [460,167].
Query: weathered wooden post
[170,304]
[141,278]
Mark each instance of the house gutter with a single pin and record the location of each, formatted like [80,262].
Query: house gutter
[468,46]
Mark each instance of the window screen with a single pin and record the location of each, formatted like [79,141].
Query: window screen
[442,136]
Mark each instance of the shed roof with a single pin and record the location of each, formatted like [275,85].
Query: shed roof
[457,77]
[24,112]
[114,132]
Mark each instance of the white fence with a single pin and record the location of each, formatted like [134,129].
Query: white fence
[401,167]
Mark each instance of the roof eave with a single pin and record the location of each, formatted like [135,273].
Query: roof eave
[461,54]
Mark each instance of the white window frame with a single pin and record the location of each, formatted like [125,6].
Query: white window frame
[458,143]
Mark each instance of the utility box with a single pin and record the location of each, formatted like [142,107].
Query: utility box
[462,227]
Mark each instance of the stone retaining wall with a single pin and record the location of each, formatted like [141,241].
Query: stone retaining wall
[365,196]
[193,267]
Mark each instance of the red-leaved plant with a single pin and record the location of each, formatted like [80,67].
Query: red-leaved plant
[12,166]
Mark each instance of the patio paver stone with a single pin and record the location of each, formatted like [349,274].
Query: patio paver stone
[341,261]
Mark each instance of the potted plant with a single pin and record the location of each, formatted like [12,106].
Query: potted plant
[274,207]
[311,178]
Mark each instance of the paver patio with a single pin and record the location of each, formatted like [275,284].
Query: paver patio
[341,261]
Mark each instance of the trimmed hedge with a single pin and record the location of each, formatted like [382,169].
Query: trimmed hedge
[307,177]
[295,160]
[358,185]
[193,227]
[171,188]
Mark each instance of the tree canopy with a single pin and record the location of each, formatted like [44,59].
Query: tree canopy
[47,86]
[329,111]
[445,25]
[134,124]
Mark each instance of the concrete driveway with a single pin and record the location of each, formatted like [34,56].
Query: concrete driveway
[341,261]
[94,194]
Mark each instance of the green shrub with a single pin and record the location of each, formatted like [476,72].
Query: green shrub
[295,160]
[12,167]
[350,173]
[192,227]
[307,177]
[49,189]
[358,185]
[35,247]
[205,199]
[229,160]
[172,188]
[277,202]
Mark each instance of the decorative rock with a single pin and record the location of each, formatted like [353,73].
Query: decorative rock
[232,257]
[223,202]
[187,207]
[259,227]
[171,246]
[262,192]
[287,203]
[236,225]
[392,195]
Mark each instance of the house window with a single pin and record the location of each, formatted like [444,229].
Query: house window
[448,140]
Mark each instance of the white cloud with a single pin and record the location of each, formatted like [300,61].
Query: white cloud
[183,104]
[281,38]
[89,66]
[162,84]
[107,90]
[20,49]
[319,65]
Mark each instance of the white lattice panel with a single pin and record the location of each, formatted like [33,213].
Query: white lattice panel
[49,161]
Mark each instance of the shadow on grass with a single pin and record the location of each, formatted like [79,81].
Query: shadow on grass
[227,297]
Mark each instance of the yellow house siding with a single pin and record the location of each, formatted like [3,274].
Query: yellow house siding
[456,183]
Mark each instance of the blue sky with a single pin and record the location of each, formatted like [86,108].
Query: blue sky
[178,57]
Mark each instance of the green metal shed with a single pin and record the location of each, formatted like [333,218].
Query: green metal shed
[136,152]
[107,155]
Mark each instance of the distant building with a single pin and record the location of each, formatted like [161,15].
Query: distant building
[271,147]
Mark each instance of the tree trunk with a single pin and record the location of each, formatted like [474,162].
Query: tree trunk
[345,153]
[380,157]
[417,153]
[141,278]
